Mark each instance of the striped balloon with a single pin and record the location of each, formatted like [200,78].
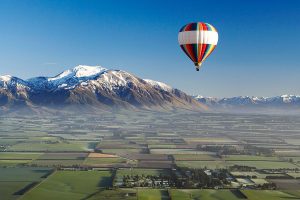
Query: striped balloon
[198,40]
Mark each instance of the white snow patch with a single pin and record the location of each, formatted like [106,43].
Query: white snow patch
[5,78]
[159,85]
[84,70]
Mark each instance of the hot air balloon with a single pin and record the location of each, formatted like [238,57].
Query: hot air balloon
[198,40]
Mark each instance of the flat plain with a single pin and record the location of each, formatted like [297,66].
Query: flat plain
[84,156]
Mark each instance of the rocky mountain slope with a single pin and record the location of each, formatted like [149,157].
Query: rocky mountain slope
[93,86]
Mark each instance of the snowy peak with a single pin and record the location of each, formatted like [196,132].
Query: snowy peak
[11,82]
[159,85]
[68,79]
[85,71]
[5,78]
[79,71]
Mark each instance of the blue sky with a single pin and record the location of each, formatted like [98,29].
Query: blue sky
[258,51]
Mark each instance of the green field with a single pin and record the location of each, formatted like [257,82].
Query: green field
[295,175]
[226,164]
[205,194]
[120,151]
[13,180]
[61,146]
[19,155]
[183,157]
[8,189]
[70,185]
[28,174]
[162,146]
[269,195]
[124,194]
[103,161]
[257,174]
[52,162]
[152,194]
[248,158]
[13,163]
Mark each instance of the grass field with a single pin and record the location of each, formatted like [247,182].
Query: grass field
[13,180]
[205,194]
[183,157]
[124,194]
[18,155]
[162,146]
[177,151]
[225,164]
[101,161]
[249,158]
[259,181]
[63,156]
[13,163]
[70,185]
[52,162]
[152,194]
[27,174]
[269,195]
[295,175]
[258,175]
[207,140]
[121,151]
[61,146]
[8,189]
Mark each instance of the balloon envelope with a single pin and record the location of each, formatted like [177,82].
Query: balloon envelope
[198,40]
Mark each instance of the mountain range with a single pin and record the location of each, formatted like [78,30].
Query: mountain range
[283,101]
[95,87]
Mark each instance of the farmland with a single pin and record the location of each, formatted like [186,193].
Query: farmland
[70,185]
[147,155]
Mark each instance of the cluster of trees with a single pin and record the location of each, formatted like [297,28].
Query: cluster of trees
[267,186]
[242,168]
[198,178]
[230,149]
[142,180]
[220,150]
[260,151]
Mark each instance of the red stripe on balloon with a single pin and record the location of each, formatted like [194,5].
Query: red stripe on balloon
[192,53]
[204,46]
[204,26]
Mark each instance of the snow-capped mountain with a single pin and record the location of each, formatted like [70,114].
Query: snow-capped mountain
[283,100]
[95,86]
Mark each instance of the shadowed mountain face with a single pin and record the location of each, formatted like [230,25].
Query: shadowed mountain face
[93,86]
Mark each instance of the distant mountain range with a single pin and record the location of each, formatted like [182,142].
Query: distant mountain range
[94,87]
[283,101]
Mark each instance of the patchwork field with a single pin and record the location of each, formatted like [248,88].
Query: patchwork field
[192,147]
[206,194]
[152,194]
[70,185]
[226,164]
[14,180]
[268,195]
